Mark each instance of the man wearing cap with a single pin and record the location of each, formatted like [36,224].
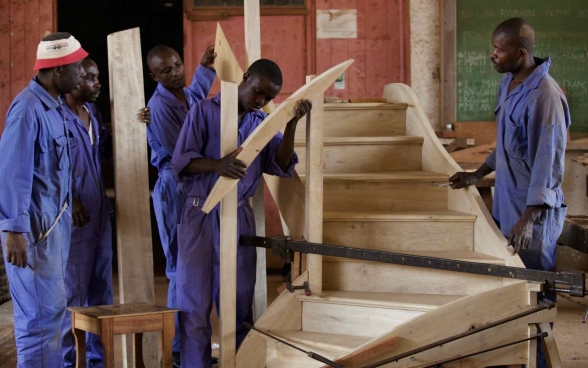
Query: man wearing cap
[35,221]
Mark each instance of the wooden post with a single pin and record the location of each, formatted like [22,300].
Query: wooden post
[133,220]
[314,189]
[252,54]
[228,232]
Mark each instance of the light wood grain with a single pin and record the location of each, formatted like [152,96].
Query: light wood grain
[225,63]
[133,220]
[228,232]
[487,237]
[550,347]
[367,154]
[314,158]
[272,125]
[252,31]
[448,31]
[362,120]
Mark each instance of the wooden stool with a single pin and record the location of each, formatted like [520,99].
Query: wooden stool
[109,320]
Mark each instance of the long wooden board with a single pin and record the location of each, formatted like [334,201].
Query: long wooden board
[133,220]
[272,125]
[228,232]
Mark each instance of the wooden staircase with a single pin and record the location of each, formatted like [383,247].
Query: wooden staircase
[379,194]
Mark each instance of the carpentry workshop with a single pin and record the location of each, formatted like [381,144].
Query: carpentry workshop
[294,183]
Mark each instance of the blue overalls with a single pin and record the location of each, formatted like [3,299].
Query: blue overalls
[34,200]
[88,276]
[167,118]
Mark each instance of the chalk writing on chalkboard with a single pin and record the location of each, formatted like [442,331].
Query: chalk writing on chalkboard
[561,33]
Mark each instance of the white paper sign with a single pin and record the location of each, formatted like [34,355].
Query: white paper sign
[336,23]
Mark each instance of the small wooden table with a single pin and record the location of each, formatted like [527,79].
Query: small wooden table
[109,320]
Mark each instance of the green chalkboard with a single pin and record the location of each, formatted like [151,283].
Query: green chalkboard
[561,28]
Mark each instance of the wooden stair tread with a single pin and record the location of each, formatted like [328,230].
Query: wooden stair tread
[400,215]
[468,256]
[323,341]
[405,301]
[332,141]
[366,106]
[399,176]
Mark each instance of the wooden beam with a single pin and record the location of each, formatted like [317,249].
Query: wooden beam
[272,125]
[252,32]
[549,346]
[133,220]
[448,95]
[228,231]
[314,188]
[260,293]
[226,65]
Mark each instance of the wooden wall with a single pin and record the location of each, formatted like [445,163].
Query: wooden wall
[23,23]
[381,49]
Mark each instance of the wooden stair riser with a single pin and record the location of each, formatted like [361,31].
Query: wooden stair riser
[395,236]
[352,319]
[360,123]
[280,355]
[365,158]
[371,276]
[383,196]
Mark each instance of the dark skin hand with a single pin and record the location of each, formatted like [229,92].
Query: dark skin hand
[465,179]
[522,232]
[208,57]
[145,115]
[80,216]
[16,249]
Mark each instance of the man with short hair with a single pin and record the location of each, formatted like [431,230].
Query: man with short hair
[198,164]
[35,200]
[88,276]
[532,115]
[169,106]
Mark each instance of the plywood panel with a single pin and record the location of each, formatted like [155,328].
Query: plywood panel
[5,91]
[31,36]
[17,46]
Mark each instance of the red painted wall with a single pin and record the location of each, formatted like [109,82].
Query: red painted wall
[381,49]
[23,24]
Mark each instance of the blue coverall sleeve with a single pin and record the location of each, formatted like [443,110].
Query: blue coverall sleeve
[191,140]
[546,131]
[491,160]
[201,82]
[105,142]
[17,149]
[270,166]
[164,129]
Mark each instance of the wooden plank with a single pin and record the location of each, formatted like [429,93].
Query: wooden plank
[260,293]
[47,17]
[133,220]
[448,91]
[549,346]
[313,198]
[252,31]
[228,231]
[226,65]
[271,126]
[121,310]
[5,91]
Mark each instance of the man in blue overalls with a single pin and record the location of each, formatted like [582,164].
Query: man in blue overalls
[89,268]
[169,106]
[35,199]
[532,115]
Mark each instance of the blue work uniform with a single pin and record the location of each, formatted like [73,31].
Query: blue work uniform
[88,276]
[167,118]
[34,201]
[197,278]
[529,163]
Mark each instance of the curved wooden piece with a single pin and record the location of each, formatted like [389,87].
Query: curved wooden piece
[276,121]
[226,65]
[487,237]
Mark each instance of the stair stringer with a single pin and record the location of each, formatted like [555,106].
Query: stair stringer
[455,318]
[487,236]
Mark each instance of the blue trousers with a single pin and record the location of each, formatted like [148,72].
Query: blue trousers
[88,281]
[167,204]
[38,293]
[197,279]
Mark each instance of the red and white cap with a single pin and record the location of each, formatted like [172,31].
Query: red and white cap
[59,52]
